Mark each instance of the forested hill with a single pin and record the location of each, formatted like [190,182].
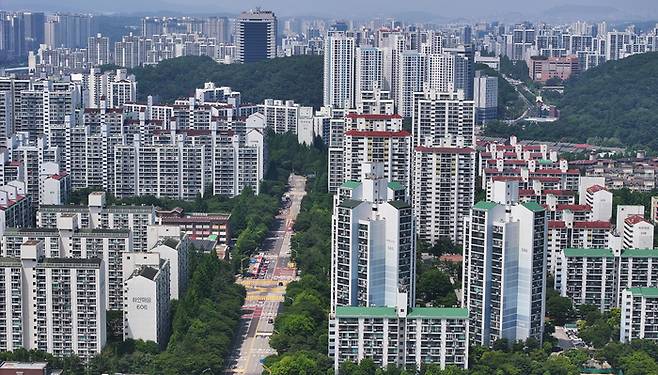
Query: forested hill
[298,78]
[612,104]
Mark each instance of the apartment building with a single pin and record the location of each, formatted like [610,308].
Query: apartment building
[54,304]
[147,302]
[443,191]
[400,337]
[68,240]
[368,214]
[639,314]
[504,291]
[99,215]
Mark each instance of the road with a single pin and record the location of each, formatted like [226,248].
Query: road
[530,107]
[265,295]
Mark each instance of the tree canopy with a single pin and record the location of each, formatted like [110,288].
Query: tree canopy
[298,78]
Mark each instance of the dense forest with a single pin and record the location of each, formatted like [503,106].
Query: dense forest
[298,78]
[612,104]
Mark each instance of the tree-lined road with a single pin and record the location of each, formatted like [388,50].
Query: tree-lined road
[265,295]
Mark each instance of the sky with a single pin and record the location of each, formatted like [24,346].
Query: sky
[430,9]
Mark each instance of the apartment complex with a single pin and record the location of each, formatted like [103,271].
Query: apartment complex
[55,304]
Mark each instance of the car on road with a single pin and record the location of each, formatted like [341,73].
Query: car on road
[270,321]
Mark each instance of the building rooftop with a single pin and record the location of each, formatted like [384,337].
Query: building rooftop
[395,185]
[23,365]
[590,253]
[350,184]
[148,272]
[349,203]
[358,312]
[639,253]
[399,204]
[485,205]
[644,292]
[438,312]
[533,206]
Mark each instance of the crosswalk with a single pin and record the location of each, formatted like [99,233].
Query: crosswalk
[264,298]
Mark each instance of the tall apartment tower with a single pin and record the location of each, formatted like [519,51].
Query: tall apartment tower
[411,77]
[443,185]
[98,50]
[373,247]
[485,97]
[440,116]
[339,69]
[255,36]
[504,278]
[369,71]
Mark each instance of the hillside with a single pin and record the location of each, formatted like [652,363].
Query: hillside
[612,104]
[298,78]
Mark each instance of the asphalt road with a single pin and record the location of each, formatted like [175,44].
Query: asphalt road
[265,295]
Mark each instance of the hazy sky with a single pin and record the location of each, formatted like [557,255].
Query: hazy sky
[485,9]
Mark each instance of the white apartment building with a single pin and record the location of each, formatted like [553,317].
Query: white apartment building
[637,268]
[639,314]
[369,71]
[399,336]
[53,304]
[599,276]
[99,215]
[504,277]
[282,116]
[68,240]
[588,276]
[339,69]
[176,252]
[624,211]
[441,116]
[15,206]
[600,199]
[375,102]
[98,50]
[376,139]
[443,191]
[6,116]
[54,184]
[147,302]
[373,246]
[411,77]
[638,233]
[485,97]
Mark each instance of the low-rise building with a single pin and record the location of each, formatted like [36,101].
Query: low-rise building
[393,336]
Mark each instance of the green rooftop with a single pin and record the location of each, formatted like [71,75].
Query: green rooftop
[645,292]
[399,204]
[350,184]
[438,312]
[350,203]
[545,161]
[394,185]
[365,312]
[590,253]
[533,206]
[485,205]
[639,253]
